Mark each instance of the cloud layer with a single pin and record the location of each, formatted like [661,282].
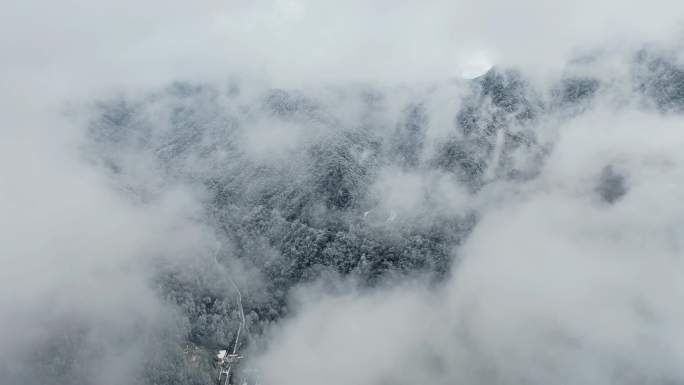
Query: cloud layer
[571,275]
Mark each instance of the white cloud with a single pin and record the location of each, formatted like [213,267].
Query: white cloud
[554,285]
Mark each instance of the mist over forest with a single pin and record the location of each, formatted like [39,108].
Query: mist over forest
[301,192]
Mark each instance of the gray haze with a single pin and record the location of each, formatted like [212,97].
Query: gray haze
[564,265]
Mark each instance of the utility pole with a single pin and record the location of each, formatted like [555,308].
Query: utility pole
[226,360]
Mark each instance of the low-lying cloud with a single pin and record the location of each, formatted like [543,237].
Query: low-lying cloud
[387,220]
[554,285]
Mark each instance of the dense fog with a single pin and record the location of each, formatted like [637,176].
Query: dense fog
[372,192]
